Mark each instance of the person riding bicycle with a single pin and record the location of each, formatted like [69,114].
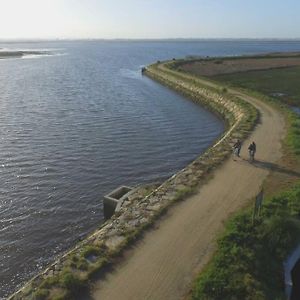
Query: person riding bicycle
[237,148]
[252,150]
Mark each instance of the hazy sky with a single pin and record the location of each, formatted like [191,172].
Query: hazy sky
[149,19]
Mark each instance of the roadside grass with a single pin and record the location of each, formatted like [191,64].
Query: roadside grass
[281,83]
[293,136]
[185,192]
[249,257]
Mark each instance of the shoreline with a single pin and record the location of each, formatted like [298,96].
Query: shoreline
[174,189]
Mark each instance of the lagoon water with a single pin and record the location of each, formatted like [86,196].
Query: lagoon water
[75,125]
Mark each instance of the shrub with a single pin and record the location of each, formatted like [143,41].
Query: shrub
[183,193]
[40,294]
[49,282]
[91,250]
[72,283]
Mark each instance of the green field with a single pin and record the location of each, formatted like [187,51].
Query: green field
[283,83]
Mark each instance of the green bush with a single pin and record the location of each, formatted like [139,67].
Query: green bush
[91,250]
[64,296]
[72,283]
[49,282]
[183,193]
[40,294]
[94,269]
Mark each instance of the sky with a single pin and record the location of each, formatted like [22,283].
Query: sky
[150,19]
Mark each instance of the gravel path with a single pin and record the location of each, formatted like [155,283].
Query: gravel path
[163,264]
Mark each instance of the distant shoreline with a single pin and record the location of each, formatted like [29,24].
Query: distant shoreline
[20,54]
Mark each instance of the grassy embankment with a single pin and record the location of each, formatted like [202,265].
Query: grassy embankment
[248,263]
[80,266]
[282,83]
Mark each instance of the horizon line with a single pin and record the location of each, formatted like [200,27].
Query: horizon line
[146,39]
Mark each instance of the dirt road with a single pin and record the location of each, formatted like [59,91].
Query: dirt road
[163,264]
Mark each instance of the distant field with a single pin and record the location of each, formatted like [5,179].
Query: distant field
[276,75]
[283,83]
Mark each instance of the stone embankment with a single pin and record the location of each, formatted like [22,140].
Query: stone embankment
[77,268]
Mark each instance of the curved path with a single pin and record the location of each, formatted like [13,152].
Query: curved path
[163,264]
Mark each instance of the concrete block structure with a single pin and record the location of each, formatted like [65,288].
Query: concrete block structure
[114,200]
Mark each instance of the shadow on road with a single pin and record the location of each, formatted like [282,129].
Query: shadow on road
[275,168]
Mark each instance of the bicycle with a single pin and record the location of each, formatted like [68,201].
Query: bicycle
[251,155]
[235,152]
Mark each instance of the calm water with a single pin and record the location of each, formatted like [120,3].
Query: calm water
[75,125]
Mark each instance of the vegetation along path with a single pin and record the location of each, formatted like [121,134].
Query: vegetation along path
[164,263]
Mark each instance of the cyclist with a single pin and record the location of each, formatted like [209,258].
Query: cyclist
[252,150]
[237,148]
